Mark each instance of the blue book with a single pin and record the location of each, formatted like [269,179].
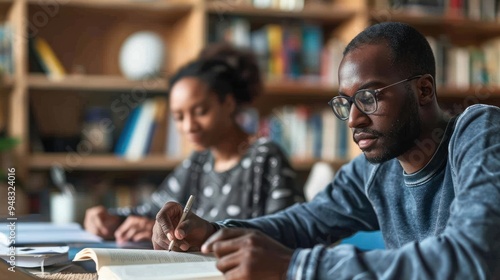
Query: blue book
[6,50]
[292,45]
[137,143]
[128,130]
[343,139]
[317,127]
[260,46]
[276,133]
[312,44]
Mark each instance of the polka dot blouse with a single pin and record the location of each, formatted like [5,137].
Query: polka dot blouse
[263,182]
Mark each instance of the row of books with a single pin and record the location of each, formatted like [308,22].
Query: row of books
[6,50]
[486,10]
[305,132]
[302,131]
[288,5]
[285,5]
[466,66]
[144,130]
[285,51]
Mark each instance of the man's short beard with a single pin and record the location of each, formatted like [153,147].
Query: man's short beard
[403,134]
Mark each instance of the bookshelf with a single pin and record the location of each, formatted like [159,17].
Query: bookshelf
[101,162]
[459,31]
[94,83]
[178,22]
[94,49]
[440,23]
[325,14]
[112,163]
[458,28]
[87,35]
[118,83]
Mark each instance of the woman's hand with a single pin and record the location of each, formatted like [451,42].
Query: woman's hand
[135,228]
[99,222]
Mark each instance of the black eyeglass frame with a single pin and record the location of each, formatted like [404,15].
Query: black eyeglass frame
[373,92]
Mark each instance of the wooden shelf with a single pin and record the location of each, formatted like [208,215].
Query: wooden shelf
[95,83]
[111,162]
[316,91]
[115,83]
[273,88]
[301,88]
[158,10]
[6,82]
[453,26]
[5,6]
[480,92]
[331,14]
[310,89]
[100,162]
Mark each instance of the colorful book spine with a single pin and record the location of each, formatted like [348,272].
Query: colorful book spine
[6,50]
[53,66]
[128,129]
[141,131]
[312,44]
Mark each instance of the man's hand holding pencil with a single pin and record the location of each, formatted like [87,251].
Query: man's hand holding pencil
[178,225]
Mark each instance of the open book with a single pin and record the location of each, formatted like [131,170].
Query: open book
[124,264]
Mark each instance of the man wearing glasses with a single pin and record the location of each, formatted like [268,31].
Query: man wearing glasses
[430,183]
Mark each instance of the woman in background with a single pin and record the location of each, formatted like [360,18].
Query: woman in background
[233,174]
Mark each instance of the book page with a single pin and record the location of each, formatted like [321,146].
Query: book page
[177,271]
[103,257]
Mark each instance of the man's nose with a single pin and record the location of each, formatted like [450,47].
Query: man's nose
[357,118]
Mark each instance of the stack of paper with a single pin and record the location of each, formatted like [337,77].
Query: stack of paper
[29,233]
[34,256]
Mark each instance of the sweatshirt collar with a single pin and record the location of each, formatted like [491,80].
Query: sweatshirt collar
[437,162]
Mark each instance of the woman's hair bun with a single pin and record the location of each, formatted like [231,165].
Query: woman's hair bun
[244,62]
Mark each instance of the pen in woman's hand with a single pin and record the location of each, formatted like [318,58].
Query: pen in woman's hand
[187,208]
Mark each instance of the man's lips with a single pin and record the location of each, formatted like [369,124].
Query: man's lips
[364,140]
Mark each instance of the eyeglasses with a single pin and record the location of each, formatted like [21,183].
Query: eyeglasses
[365,100]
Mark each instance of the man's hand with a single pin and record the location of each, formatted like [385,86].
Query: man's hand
[135,229]
[189,235]
[98,221]
[248,254]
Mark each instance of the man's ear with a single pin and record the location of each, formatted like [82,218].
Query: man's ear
[426,90]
